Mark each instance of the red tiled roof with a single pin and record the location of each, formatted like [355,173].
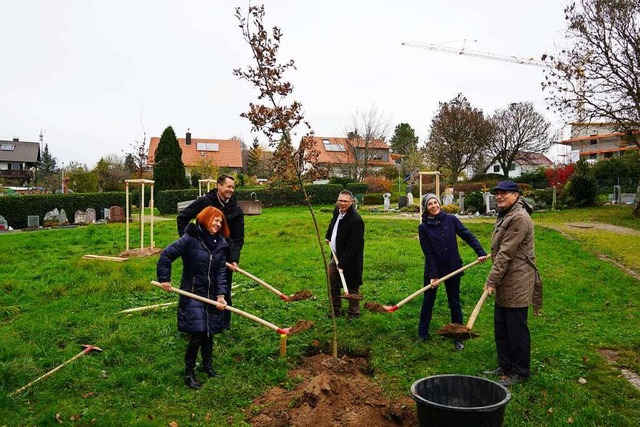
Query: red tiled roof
[534,159]
[338,157]
[229,152]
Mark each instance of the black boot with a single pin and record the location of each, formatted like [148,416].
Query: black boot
[190,379]
[209,371]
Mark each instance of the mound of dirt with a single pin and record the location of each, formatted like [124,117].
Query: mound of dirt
[137,253]
[333,392]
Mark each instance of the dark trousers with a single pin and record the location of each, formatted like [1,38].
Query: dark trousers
[199,341]
[336,288]
[452,287]
[513,341]
[226,316]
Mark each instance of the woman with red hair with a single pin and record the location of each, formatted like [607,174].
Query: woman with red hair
[203,249]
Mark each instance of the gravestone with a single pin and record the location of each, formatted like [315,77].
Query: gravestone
[33,221]
[116,214]
[105,213]
[447,199]
[387,201]
[79,217]
[627,198]
[490,202]
[402,202]
[90,216]
[461,201]
[51,218]
[4,225]
[409,199]
[62,218]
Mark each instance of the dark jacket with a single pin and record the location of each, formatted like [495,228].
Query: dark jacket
[232,213]
[440,246]
[203,274]
[349,245]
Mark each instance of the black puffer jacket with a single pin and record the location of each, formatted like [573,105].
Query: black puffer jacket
[203,274]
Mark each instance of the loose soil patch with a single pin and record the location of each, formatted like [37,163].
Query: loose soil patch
[300,326]
[300,295]
[137,253]
[332,392]
[375,307]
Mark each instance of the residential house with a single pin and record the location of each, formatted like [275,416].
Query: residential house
[597,141]
[527,162]
[197,152]
[339,155]
[19,160]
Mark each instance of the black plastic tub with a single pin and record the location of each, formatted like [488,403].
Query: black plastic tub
[459,400]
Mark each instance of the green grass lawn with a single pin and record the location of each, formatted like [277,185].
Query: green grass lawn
[52,300]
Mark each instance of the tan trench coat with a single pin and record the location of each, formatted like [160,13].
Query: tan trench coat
[513,274]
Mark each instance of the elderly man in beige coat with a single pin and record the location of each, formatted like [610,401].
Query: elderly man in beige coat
[513,278]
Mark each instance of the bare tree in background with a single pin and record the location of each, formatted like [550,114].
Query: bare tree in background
[519,132]
[597,77]
[365,128]
[458,134]
[276,119]
[140,153]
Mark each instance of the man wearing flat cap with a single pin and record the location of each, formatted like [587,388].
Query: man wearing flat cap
[512,278]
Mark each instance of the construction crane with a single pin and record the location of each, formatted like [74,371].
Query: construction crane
[477,54]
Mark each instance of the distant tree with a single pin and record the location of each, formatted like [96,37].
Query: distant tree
[365,127]
[81,179]
[596,76]
[168,171]
[47,170]
[111,173]
[136,161]
[458,134]
[581,187]
[404,139]
[519,131]
[254,158]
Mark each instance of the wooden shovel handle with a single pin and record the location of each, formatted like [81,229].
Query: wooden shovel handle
[260,282]
[226,307]
[340,272]
[434,284]
[476,310]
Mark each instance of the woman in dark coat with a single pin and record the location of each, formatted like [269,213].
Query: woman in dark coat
[203,250]
[437,232]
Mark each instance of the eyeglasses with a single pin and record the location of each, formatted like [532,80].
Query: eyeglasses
[344,201]
[502,193]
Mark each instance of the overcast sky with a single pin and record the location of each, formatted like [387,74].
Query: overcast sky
[88,72]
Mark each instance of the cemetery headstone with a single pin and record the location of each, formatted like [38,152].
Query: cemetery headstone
[4,225]
[387,201]
[447,199]
[33,221]
[79,217]
[409,199]
[52,218]
[461,201]
[62,218]
[90,216]
[106,213]
[116,214]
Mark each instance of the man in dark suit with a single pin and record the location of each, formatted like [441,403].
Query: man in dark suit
[345,235]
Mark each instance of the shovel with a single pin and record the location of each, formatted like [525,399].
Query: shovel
[392,308]
[346,295]
[282,331]
[460,332]
[87,349]
[295,297]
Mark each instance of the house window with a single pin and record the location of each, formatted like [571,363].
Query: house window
[513,167]
[608,155]
[593,141]
[7,147]
[207,146]
[376,155]
[593,156]
[496,169]
[329,146]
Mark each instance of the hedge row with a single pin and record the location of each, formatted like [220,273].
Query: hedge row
[167,201]
[15,209]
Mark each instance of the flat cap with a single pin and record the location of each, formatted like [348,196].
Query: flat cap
[506,186]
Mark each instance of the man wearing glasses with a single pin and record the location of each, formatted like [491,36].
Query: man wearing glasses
[345,235]
[512,278]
